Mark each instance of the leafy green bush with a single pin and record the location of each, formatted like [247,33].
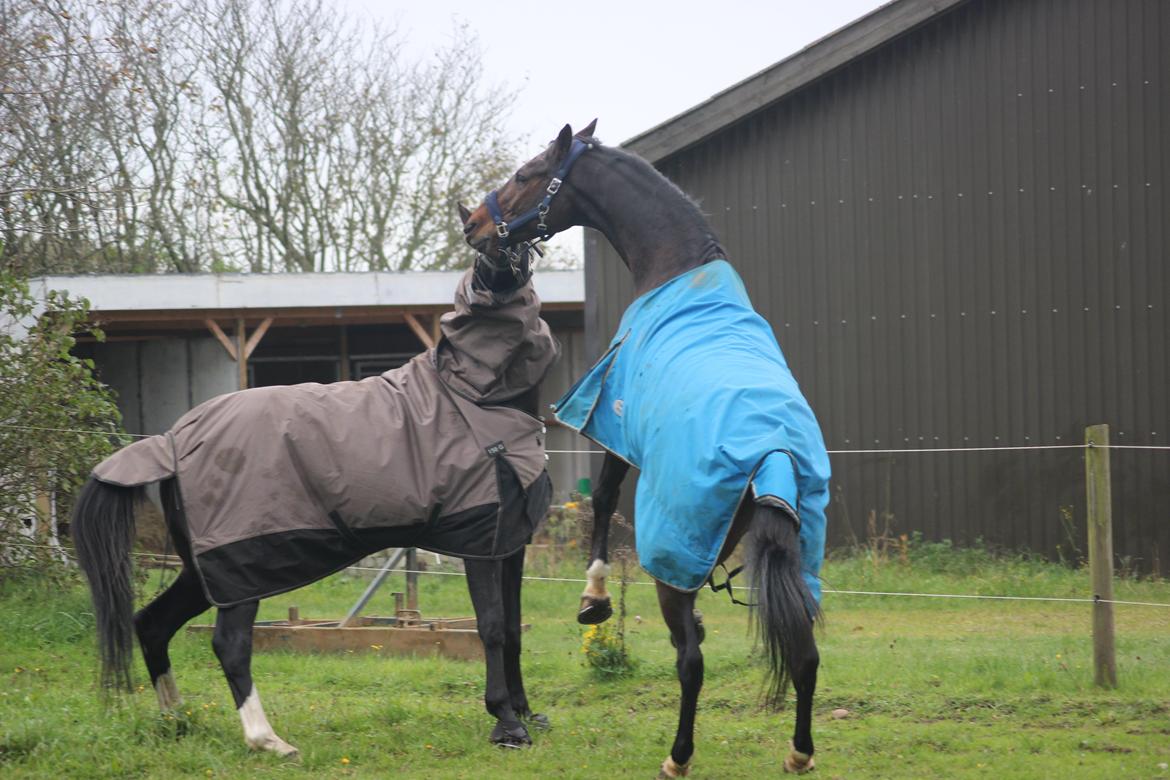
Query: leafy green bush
[50,406]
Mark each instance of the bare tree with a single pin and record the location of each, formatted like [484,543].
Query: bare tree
[268,135]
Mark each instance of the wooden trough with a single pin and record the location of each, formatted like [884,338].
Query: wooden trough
[407,633]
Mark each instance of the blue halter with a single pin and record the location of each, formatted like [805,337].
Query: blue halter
[540,210]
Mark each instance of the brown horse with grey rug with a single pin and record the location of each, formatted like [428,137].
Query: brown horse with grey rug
[268,489]
[695,392]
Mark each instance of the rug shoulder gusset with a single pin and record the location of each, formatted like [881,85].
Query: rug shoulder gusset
[144,462]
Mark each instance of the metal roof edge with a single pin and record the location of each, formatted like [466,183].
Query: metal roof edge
[758,91]
[177,292]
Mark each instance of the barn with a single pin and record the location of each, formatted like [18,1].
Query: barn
[954,215]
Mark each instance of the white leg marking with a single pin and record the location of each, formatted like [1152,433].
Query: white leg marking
[168,692]
[596,574]
[257,732]
[798,763]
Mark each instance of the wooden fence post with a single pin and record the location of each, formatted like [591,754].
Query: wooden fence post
[412,579]
[1099,501]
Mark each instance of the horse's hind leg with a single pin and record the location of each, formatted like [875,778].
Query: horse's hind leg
[596,606]
[678,609]
[157,622]
[485,583]
[232,643]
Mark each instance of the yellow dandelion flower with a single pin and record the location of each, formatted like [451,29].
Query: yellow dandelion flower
[344,761]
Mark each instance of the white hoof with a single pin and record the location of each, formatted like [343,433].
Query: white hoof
[671,770]
[258,734]
[274,744]
[798,763]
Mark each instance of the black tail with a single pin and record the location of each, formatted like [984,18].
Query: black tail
[784,608]
[103,532]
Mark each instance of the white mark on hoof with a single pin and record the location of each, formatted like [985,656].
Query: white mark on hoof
[168,692]
[798,763]
[596,574]
[672,769]
[258,734]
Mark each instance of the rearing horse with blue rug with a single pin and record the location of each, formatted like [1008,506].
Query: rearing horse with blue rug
[694,392]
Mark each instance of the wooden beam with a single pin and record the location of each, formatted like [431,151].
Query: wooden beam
[436,331]
[419,330]
[221,337]
[257,334]
[242,351]
[343,355]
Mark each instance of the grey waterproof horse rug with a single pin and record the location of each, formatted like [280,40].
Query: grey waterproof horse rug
[695,392]
[280,486]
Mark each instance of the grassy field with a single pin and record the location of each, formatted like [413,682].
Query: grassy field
[933,688]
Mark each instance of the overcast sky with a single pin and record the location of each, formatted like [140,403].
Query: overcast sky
[631,64]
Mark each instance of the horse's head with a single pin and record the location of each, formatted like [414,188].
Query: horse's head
[527,207]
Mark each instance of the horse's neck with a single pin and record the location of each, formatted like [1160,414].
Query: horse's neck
[657,230]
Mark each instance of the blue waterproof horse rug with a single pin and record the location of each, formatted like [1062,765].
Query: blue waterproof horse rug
[695,393]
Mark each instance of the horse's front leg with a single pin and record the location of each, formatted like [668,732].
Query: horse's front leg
[485,583]
[513,579]
[596,606]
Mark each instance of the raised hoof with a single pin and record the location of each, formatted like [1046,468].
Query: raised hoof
[594,611]
[798,763]
[671,770]
[515,736]
[534,720]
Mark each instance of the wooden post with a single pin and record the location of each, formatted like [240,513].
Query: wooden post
[241,353]
[1099,501]
[419,330]
[412,578]
[343,350]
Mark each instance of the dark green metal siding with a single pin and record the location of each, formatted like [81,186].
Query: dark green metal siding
[960,240]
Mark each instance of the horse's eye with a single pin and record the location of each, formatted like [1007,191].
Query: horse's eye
[520,179]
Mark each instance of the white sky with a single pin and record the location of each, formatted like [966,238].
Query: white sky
[631,64]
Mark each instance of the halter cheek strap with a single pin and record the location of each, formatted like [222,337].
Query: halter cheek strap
[540,210]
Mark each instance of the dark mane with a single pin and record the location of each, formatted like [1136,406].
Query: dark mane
[670,196]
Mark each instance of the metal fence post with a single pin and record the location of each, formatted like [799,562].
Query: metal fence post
[1099,502]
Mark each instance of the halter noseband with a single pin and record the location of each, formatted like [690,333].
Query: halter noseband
[540,210]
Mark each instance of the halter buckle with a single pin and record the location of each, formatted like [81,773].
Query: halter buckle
[554,186]
[502,229]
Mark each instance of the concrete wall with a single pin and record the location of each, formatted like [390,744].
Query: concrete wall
[157,381]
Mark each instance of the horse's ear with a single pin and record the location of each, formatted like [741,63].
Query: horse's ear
[563,143]
[588,130]
[464,213]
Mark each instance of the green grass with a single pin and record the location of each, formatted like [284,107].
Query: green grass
[933,688]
